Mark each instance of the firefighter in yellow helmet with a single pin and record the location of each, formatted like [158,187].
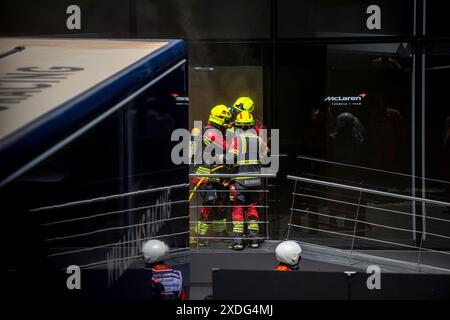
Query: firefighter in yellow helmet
[211,189]
[246,104]
[243,104]
[246,150]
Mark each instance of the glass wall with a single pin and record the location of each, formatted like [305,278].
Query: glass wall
[219,73]
[347,119]
[306,63]
[436,146]
[99,18]
[338,19]
[202,20]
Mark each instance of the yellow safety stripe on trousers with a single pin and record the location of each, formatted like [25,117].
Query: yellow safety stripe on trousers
[202,228]
[247,162]
[238,227]
[253,225]
[202,170]
[213,179]
[219,225]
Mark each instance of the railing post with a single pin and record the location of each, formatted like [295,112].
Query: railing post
[266,209]
[356,223]
[196,224]
[420,251]
[292,211]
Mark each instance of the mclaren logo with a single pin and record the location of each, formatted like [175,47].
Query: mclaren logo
[346,101]
[348,98]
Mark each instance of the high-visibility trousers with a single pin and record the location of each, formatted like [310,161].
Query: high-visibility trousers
[212,214]
[245,209]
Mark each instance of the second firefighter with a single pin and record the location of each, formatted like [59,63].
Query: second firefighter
[246,150]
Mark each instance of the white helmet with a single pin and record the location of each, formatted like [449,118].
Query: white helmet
[154,250]
[288,252]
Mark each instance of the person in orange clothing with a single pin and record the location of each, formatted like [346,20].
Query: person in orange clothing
[166,283]
[288,254]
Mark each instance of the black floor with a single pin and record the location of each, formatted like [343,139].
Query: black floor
[206,259]
[315,258]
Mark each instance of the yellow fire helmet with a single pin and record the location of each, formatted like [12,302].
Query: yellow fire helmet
[243,104]
[220,115]
[244,119]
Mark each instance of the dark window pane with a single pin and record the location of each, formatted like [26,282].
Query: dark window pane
[437,144]
[436,20]
[203,19]
[220,73]
[349,106]
[98,18]
[331,18]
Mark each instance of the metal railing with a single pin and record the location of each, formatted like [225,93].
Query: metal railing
[342,164]
[357,220]
[128,236]
[261,205]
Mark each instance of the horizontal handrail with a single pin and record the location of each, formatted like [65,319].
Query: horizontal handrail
[369,239]
[131,210]
[102,246]
[369,169]
[224,206]
[230,191]
[367,223]
[229,238]
[90,233]
[90,265]
[234,175]
[225,222]
[365,190]
[109,197]
[367,207]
